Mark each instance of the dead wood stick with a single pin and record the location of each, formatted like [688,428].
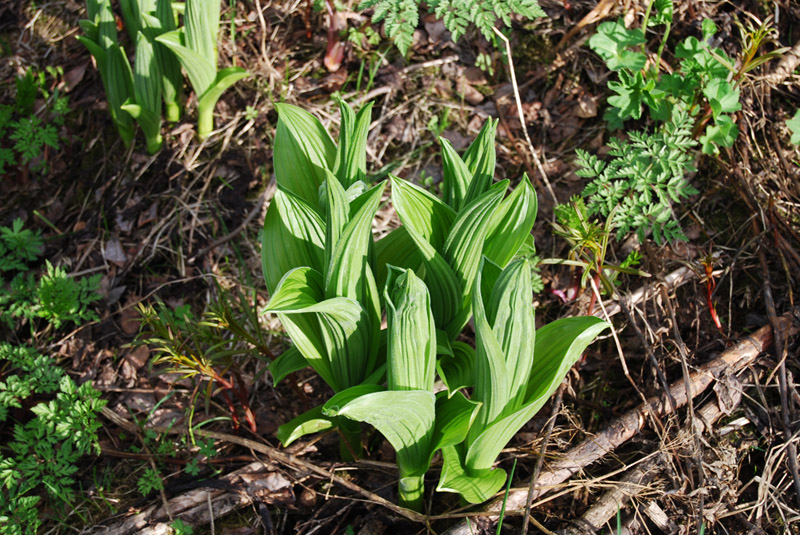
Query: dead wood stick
[671,280]
[786,66]
[627,426]
[192,507]
[638,478]
[635,481]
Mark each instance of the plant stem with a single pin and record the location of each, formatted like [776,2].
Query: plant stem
[349,439]
[205,121]
[173,112]
[411,489]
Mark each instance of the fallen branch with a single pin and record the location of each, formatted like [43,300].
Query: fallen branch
[636,480]
[624,428]
[200,506]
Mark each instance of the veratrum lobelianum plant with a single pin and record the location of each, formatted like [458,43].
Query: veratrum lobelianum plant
[321,272]
[135,93]
[195,45]
[516,372]
[317,260]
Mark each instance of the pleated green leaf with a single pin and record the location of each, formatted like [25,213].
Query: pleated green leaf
[480,162]
[302,153]
[559,345]
[294,236]
[441,280]
[131,16]
[511,224]
[472,488]
[405,419]
[149,122]
[411,344]
[146,76]
[201,23]
[93,8]
[171,77]
[286,363]
[312,421]
[511,315]
[106,26]
[337,213]
[492,381]
[464,244]
[454,416]
[457,369]
[456,176]
[200,71]
[324,331]
[422,212]
[348,263]
[119,88]
[351,160]
[397,249]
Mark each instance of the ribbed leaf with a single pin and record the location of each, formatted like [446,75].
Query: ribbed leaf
[483,450]
[201,23]
[149,122]
[464,244]
[146,77]
[337,212]
[340,399]
[93,8]
[492,381]
[89,28]
[351,160]
[171,77]
[480,161]
[404,418]
[396,249]
[286,363]
[201,73]
[511,224]
[303,151]
[106,26]
[472,488]
[456,176]
[298,290]
[319,329]
[97,53]
[441,280]
[294,236]
[510,313]
[456,370]
[345,274]
[119,88]
[454,416]
[411,333]
[558,346]
[309,422]
[422,212]
[131,16]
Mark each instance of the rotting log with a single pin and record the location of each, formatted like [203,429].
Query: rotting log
[622,429]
